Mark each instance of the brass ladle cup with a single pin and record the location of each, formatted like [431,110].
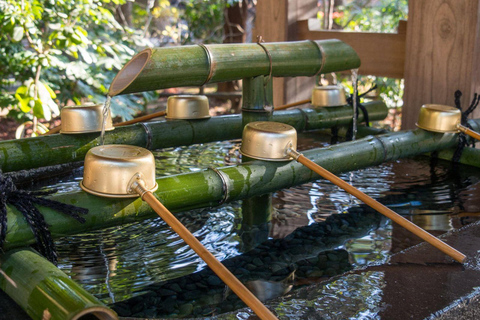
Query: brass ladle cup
[275,141]
[129,171]
[322,96]
[444,119]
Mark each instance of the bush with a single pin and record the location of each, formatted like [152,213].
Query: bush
[57,51]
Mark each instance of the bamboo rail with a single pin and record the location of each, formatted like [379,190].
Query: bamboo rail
[196,65]
[60,148]
[45,292]
[206,188]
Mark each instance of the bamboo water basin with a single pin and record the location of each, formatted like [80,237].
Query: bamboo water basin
[143,268]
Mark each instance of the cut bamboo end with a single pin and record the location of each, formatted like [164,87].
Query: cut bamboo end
[129,72]
[98,312]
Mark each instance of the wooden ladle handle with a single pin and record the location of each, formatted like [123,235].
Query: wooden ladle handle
[125,123]
[437,243]
[469,132]
[220,270]
[293,104]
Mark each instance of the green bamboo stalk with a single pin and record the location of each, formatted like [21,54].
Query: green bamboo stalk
[45,292]
[257,105]
[205,188]
[60,148]
[161,68]
[470,156]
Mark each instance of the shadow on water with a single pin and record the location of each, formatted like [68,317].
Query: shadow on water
[316,231]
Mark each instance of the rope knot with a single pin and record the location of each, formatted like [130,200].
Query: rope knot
[463,140]
[24,201]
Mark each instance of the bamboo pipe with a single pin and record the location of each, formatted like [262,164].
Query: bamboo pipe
[469,156]
[293,104]
[50,150]
[434,241]
[220,270]
[121,124]
[162,113]
[206,188]
[45,292]
[196,65]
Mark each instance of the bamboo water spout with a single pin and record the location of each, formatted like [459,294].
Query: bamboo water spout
[206,188]
[56,149]
[44,291]
[161,68]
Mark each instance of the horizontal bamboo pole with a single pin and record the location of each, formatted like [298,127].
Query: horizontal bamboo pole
[470,156]
[205,188]
[45,292]
[170,67]
[60,148]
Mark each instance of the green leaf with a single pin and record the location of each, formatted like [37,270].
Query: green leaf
[22,90]
[17,34]
[38,109]
[24,103]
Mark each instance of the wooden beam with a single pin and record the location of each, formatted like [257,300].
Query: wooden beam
[382,54]
[299,88]
[442,55]
[270,23]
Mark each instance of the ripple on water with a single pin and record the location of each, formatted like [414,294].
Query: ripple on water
[118,262]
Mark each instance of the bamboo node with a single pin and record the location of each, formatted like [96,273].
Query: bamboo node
[323,57]
[225,190]
[148,144]
[210,63]
[259,42]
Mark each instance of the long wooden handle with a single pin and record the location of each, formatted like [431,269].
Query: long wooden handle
[125,123]
[437,243]
[141,119]
[469,132]
[294,104]
[221,271]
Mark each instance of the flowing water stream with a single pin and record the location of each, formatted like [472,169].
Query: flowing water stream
[123,263]
[355,110]
[106,111]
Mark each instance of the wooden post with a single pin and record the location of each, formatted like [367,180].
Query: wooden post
[299,88]
[276,20]
[270,23]
[442,55]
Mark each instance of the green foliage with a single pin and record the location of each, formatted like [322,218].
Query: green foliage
[198,12]
[381,16]
[62,51]
[377,16]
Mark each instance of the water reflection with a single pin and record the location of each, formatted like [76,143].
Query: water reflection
[119,262]
[355,296]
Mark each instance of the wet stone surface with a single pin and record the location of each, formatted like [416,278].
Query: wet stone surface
[418,283]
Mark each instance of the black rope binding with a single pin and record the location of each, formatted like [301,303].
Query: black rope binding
[463,141]
[360,106]
[25,202]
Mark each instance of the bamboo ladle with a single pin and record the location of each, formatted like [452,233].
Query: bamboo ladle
[129,171]
[275,141]
[444,119]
